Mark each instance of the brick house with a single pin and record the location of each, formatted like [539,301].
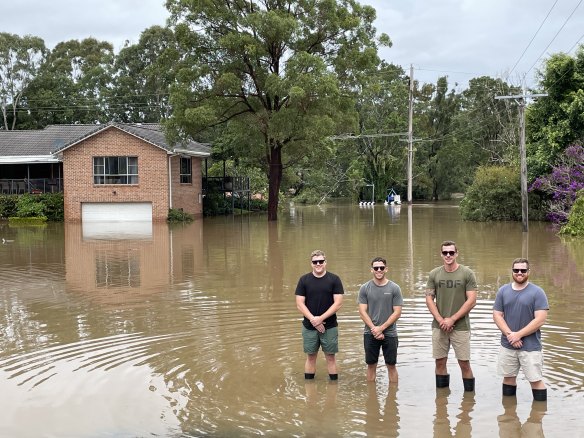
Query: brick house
[110,172]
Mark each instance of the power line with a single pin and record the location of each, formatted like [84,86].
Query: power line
[536,32]
[557,33]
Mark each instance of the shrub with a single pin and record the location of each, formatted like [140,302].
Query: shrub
[495,195]
[215,204]
[575,224]
[178,215]
[54,206]
[29,206]
[562,184]
[7,206]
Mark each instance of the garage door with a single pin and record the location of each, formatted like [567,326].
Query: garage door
[116,212]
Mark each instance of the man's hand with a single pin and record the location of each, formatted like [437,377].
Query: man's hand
[377,333]
[320,328]
[447,324]
[316,321]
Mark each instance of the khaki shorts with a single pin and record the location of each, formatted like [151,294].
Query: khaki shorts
[530,362]
[313,340]
[459,339]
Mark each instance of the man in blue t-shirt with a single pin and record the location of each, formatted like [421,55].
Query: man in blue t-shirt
[519,311]
[319,295]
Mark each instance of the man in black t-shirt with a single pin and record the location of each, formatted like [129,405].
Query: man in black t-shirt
[319,294]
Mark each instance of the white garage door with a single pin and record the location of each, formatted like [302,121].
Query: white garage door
[116,212]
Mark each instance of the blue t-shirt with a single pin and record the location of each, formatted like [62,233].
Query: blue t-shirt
[519,307]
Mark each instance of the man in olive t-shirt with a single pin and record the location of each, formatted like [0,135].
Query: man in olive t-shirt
[451,293]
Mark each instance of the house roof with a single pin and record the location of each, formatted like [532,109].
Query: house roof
[44,145]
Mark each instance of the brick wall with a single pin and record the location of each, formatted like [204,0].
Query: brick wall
[78,174]
[187,196]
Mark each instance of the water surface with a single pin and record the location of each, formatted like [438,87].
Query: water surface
[192,330]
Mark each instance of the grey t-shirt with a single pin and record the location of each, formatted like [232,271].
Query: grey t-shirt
[519,307]
[380,301]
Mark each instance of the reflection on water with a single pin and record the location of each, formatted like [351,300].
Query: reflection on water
[192,330]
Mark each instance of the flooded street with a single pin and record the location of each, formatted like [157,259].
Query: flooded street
[192,330]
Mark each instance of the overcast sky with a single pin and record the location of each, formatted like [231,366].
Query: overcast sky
[458,38]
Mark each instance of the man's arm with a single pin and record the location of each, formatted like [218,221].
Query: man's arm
[499,318]
[539,318]
[337,304]
[431,304]
[301,306]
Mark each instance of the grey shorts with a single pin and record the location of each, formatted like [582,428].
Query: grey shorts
[510,361]
[459,339]
[313,340]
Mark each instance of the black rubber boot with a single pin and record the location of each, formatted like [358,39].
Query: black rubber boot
[469,384]
[309,376]
[539,394]
[509,389]
[442,380]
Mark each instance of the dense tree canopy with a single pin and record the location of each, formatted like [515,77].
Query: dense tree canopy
[278,74]
[20,60]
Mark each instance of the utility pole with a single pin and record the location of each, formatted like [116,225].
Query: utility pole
[410,134]
[521,101]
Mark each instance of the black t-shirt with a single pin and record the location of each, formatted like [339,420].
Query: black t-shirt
[318,293]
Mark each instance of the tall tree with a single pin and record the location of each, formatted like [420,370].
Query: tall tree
[279,73]
[556,121]
[143,75]
[383,108]
[20,59]
[72,85]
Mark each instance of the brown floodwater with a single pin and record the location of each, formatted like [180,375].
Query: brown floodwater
[192,330]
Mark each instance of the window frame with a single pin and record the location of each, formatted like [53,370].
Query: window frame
[115,170]
[186,177]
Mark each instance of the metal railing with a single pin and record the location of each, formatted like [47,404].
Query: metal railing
[30,185]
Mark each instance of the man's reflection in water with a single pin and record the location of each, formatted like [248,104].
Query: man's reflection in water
[463,426]
[510,425]
[321,408]
[382,420]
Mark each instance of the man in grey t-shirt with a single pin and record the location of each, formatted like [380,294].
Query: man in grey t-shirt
[380,305]
[520,310]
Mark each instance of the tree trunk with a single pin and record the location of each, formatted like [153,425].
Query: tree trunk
[274,179]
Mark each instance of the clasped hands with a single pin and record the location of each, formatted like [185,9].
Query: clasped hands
[514,339]
[447,324]
[318,323]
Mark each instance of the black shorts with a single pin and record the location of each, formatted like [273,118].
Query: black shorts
[372,347]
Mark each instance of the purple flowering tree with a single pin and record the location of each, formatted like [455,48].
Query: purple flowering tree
[563,183]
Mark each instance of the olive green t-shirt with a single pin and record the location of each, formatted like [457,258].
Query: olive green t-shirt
[451,288]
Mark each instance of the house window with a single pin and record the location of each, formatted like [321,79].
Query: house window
[186,171]
[115,170]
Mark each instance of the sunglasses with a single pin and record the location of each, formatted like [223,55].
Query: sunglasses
[318,262]
[378,268]
[517,271]
[448,253]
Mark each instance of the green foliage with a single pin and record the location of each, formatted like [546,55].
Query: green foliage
[178,215]
[7,206]
[47,205]
[20,59]
[495,195]
[29,206]
[556,121]
[72,85]
[54,207]
[278,77]
[215,204]
[36,220]
[575,225]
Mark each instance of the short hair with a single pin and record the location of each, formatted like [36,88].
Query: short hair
[379,259]
[520,260]
[449,243]
[317,252]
